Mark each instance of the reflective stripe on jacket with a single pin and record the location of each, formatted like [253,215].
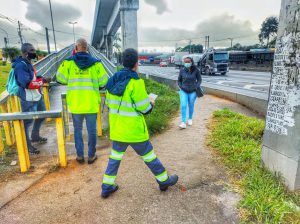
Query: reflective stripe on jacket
[127,123]
[83,96]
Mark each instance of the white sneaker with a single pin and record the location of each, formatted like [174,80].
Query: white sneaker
[182,125]
[190,122]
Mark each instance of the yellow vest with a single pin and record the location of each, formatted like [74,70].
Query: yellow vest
[83,96]
[127,123]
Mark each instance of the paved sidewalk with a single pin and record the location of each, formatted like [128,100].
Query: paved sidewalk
[71,195]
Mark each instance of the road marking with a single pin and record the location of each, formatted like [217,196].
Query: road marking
[251,86]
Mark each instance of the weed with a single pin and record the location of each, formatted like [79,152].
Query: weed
[238,140]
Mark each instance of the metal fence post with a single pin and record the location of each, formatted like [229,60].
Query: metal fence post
[46,98]
[7,127]
[21,146]
[65,117]
[61,142]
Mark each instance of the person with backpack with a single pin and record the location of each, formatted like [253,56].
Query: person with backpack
[29,92]
[128,102]
[189,80]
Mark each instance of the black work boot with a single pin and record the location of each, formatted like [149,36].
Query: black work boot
[40,140]
[106,195]
[170,182]
[33,151]
[80,159]
[92,159]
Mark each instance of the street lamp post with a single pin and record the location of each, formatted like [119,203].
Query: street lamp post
[73,23]
[52,25]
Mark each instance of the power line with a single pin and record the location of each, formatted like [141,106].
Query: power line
[197,38]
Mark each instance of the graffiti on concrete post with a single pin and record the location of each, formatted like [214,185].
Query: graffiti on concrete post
[285,86]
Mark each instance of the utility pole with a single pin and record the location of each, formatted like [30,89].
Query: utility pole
[6,39]
[231,40]
[52,25]
[5,42]
[207,42]
[20,32]
[47,40]
[280,151]
[190,43]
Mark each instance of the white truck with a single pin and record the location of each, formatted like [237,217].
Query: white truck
[178,59]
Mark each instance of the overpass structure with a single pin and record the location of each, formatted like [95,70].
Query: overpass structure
[110,15]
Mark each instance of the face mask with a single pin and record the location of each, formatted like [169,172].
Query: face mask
[187,65]
[31,56]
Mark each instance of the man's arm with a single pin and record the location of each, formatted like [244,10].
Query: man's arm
[62,74]
[102,75]
[141,99]
[24,77]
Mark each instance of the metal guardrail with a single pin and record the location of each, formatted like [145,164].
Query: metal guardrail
[48,66]
[108,65]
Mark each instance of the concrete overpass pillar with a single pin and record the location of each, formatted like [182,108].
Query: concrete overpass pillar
[281,144]
[109,40]
[128,10]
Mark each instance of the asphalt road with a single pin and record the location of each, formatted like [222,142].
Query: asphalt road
[256,82]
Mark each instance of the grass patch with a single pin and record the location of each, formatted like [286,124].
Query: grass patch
[4,70]
[238,140]
[166,105]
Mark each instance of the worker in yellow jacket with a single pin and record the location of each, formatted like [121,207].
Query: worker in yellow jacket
[84,76]
[128,102]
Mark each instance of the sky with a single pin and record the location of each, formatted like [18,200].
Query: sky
[161,23]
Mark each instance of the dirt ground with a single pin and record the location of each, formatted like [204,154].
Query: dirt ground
[203,195]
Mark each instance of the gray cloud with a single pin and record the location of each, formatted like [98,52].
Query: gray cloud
[160,5]
[38,12]
[218,28]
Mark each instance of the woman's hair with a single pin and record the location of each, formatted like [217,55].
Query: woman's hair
[193,67]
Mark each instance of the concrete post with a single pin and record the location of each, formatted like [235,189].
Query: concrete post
[128,12]
[110,42]
[281,144]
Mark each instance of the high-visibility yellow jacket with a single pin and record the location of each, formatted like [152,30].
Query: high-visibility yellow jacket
[126,119]
[83,96]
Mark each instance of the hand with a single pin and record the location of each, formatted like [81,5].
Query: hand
[152,101]
[47,80]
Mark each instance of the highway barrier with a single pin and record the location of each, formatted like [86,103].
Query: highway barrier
[257,103]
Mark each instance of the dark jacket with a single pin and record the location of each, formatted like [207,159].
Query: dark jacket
[24,74]
[189,81]
[116,84]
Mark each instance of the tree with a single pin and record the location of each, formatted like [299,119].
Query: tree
[268,31]
[117,47]
[11,52]
[195,48]
[239,47]
[41,53]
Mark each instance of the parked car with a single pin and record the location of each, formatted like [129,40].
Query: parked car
[163,64]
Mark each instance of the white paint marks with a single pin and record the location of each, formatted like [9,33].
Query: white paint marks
[251,86]
[285,86]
